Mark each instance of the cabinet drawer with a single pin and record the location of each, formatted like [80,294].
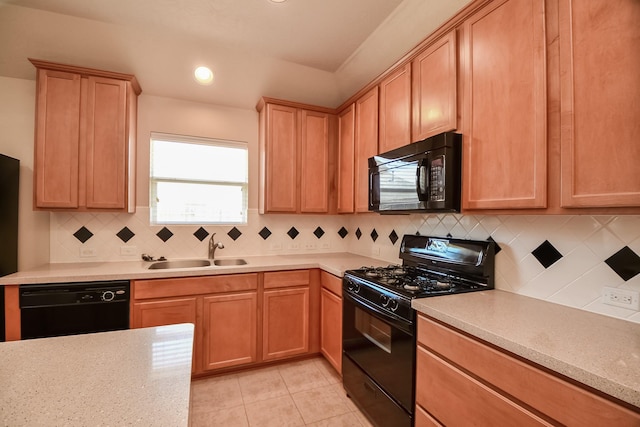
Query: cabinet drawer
[285,279]
[161,288]
[565,402]
[331,283]
[444,390]
[423,419]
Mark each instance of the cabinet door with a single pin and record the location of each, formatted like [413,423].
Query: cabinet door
[169,312]
[435,80]
[366,145]
[164,312]
[106,143]
[395,110]
[331,328]
[57,139]
[285,323]
[505,138]
[346,162]
[281,157]
[314,170]
[229,330]
[600,113]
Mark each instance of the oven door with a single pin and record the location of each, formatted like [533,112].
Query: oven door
[378,362]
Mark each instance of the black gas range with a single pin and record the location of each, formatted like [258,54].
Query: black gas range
[379,325]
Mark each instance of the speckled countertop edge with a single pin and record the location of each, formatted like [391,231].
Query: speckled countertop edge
[596,350]
[334,263]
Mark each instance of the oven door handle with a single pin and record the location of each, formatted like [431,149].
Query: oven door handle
[393,320]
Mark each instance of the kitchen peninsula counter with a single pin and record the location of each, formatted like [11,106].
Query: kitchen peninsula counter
[599,351]
[334,263]
[131,377]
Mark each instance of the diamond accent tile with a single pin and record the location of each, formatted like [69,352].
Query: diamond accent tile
[201,234]
[83,234]
[358,233]
[293,233]
[125,234]
[319,232]
[234,233]
[497,246]
[374,235]
[393,237]
[343,232]
[625,262]
[265,233]
[546,254]
[164,234]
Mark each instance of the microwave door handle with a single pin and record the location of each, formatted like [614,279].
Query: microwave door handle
[422,180]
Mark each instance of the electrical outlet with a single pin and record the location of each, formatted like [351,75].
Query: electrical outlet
[275,247]
[128,251]
[325,245]
[294,246]
[621,298]
[88,252]
[310,246]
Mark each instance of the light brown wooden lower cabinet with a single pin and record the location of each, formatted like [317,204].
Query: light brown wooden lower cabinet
[331,319]
[461,380]
[229,330]
[285,323]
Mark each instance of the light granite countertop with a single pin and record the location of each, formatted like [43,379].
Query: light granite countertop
[596,350]
[133,377]
[334,263]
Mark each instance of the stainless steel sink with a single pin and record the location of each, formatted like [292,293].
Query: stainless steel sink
[180,263]
[229,261]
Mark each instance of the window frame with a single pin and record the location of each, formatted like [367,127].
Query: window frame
[187,139]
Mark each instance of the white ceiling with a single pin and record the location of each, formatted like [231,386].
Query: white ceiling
[314,51]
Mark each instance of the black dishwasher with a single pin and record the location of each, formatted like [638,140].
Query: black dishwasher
[51,310]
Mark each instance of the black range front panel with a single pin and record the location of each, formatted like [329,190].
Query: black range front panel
[378,362]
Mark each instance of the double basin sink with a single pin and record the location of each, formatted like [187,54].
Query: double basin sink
[195,263]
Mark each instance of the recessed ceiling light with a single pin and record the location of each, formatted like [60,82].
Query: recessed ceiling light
[203,75]
[277,1]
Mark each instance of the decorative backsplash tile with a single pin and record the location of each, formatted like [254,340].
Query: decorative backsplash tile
[563,259]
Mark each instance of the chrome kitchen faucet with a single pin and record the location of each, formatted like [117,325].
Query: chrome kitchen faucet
[213,246]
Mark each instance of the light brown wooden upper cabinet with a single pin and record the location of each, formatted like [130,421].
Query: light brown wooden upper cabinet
[295,146]
[395,110]
[505,107]
[346,162]
[434,85]
[85,139]
[366,145]
[600,113]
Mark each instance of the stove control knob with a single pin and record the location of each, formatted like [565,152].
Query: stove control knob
[384,300]
[353,287]
[393,305]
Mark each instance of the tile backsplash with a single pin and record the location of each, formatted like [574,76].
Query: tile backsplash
[562,259]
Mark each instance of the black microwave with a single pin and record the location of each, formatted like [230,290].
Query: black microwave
[424,176]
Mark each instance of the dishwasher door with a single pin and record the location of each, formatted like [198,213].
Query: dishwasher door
[73,308]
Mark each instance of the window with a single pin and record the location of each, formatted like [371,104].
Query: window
[197,180]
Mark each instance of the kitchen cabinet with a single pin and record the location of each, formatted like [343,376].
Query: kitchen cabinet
[285,314]
[295,146]
[85,139]
[229,330]
[505,107]
[331,319]
[600,114]
[434,85]
[222,308]
[366,145]
[451,366]
[346,159]
[395,109]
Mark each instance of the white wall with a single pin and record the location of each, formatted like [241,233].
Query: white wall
[17,116]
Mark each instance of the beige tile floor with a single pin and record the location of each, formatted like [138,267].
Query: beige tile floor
[303,393]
